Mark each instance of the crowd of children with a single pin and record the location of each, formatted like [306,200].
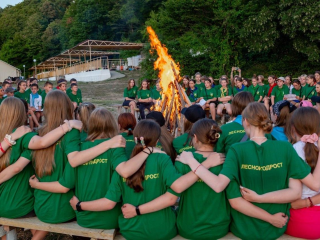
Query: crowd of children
[244,176]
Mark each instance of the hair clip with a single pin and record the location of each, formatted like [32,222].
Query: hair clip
[142,142]
[217,135]
[212,127]
[136,140]
[129,129]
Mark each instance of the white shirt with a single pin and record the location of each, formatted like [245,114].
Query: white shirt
[306,192]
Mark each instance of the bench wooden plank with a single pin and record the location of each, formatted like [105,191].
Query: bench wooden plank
[71,228]
[229,236]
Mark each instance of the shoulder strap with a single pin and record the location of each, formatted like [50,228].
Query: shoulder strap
[244,138]
[256,92]
[311,91]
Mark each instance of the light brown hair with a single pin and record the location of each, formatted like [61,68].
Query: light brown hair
[306,121]
[257,115]
[57,108]
[150,131]
[84,111]
[166,140]
[207,131]
[129,87]
[240,101]
[12,116]
[101,124]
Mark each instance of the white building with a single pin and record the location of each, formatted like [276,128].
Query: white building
[7,70]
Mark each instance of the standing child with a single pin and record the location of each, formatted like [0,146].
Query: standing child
[74,96]
[9,92]
[73,80]
[144,98]
[35,101]
[62,85]
[224,98]
[47,88]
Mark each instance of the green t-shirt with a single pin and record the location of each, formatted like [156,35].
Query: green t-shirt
[144,94]
[232,133]
[202,213]
[262,170]
[182,143]
[16,195]
[256,92]
[224,93]
[159,176]
[309,91]
[1,99]
[300,93]
[75,98]
[132,93]
[43,95]
[279,93]
[156,95]
[55,207]
[91,182]
[130,144]
[208,93]
[78,91]
[236,90]
[200,86]
[195,95]
[83,136]
[25,96]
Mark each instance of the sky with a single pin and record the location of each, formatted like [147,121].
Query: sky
[4,3]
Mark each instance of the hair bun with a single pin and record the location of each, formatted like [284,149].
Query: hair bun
[266,125]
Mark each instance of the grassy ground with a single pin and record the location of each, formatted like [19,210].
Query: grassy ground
[102,94]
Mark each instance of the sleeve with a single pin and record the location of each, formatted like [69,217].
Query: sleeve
[169,172]
[72,141]
[273,93]
[139,94]
[114,191]
[27,154]
[215,94]
[118,156]
[125,93]
[68,178]
[218,93]
[297,169]
[26,139]
[173,192]
[230,167]
[233,190]
[286,90]
[230,92]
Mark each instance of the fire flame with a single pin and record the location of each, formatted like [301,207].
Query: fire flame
[172,95]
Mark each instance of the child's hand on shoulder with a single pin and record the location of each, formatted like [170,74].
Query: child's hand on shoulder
[76,124]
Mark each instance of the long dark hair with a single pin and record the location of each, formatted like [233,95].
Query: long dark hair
[189,89]
[150,131]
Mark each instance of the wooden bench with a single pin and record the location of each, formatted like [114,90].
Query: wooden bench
[74,229]
[229,236]
[71,228]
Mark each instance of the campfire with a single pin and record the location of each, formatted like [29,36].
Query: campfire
[174,97]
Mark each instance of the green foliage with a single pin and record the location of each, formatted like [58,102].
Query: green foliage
[209,36]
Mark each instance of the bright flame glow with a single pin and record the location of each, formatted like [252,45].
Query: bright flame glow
[171,98]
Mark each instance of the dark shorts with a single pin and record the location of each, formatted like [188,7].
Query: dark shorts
[215,102]
[126,102]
